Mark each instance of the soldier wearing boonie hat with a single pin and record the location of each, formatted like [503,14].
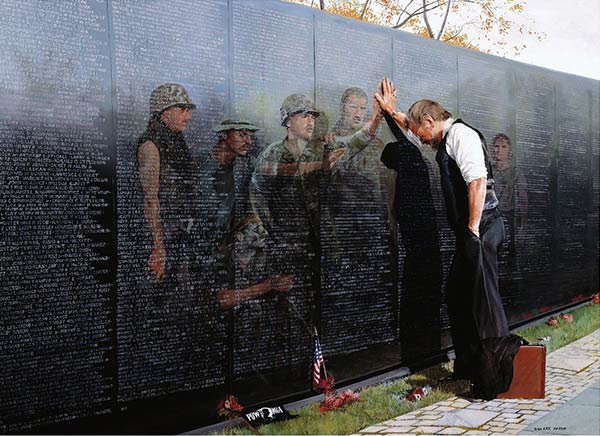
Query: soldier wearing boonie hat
[237,236]
[235,138]
[226,125]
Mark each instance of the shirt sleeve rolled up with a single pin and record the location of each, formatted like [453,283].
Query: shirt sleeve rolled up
[464,146]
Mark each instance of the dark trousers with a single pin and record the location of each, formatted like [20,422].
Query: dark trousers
[474,303]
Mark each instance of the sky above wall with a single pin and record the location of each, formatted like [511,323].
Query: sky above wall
[572,42]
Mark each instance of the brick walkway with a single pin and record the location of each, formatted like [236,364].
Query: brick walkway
[569,371]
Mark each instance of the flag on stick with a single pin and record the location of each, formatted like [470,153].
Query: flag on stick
[318,361]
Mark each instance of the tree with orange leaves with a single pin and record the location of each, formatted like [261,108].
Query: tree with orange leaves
[482,25]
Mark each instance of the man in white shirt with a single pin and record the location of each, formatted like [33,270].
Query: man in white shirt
[478,323]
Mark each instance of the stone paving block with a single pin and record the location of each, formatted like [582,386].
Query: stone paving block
[460,403]
[493,409]
[427,422]
[515,426]
[477,406]
[452,430]
[431,415]
[467,418]
[428,429]
[445,409]
[405,417]
[513,420]
[445,402]
[510,415]
[388,422]
[497,423]
[494,403]
[373,429]
[404,434]
[526,412]
[397,430]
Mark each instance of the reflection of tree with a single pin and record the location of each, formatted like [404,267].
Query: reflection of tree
[460,22]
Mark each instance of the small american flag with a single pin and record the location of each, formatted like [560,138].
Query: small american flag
[317,362]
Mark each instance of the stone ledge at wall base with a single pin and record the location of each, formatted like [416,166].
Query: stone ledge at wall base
[382,378]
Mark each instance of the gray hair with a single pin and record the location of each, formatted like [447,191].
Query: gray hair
[427,107]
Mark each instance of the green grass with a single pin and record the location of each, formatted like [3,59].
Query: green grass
[386,401]
[585,320]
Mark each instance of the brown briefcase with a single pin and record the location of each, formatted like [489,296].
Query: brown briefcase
[529,377]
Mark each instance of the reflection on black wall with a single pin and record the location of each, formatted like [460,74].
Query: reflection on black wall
[421,280]
[89,340]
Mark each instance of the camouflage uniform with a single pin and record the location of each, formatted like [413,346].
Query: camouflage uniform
[286,195]
[183,334]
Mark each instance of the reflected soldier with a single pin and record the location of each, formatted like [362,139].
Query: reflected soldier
[511,188]
[286,188]
[366,164]
[303,159]
[166,169]
[238,264]
[356,237]
[239,237]
[184,310]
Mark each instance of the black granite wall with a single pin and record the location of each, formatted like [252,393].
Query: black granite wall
[90,341]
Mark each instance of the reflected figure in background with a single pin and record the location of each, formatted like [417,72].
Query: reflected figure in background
[238,254]
[184,312]
[239,237]
[480,335]
[374,179]
[287,186]
[511,188]
[356,297]
[166,170]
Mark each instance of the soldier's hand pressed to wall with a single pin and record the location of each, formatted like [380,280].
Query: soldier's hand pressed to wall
[377,110]
[157,262]
[335,156]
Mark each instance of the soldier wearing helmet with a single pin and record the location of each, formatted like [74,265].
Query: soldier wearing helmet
[302,157]
[289,178]
[166,167]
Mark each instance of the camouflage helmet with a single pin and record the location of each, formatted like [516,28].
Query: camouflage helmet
[296,104]
[168,95]
[229,124]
